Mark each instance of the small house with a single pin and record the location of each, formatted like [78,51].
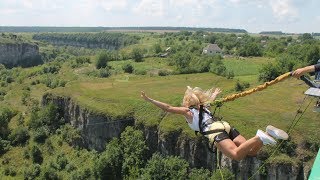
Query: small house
[212,49]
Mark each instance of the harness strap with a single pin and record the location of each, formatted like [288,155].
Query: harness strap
[200,118]
[212,131]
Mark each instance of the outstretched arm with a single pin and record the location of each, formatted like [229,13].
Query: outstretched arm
[301,71]
[166,107]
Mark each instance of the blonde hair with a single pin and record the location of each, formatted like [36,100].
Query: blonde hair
[196,96]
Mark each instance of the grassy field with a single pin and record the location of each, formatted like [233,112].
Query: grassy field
[275,105]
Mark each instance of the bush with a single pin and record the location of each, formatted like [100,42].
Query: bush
[32,172]
[4,146]
[9,171]
[230,75]
[104,72]
[19,135]
[164,72]
[128,68]
[48,116]
[109,164]
[269,72]
[40,135]
[70,134]
[199,174]
[159,167]
[5,116]
[240,86]
[140,72]
[61,162]
[48,172]
[102,60]
[226,173]
[82,174]
[36,155]
[137,55]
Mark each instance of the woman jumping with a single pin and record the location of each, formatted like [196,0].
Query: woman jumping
[226,138]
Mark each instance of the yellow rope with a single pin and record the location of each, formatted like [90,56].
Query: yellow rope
[258,88]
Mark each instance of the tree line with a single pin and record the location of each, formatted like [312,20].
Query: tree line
[116,40]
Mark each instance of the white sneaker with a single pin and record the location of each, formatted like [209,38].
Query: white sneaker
[265,138]
[277,133]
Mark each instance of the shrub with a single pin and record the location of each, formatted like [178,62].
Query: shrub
[19,135]
[48,172]
[32,172]
[137,55]
[240,86]
[102,60]
[128,68]
[230,75]
[48,116]
[9,171]
[41,134]
[159,167]
[4,146]
[199,174]
[104,72]
[36,155]
[226,173]
[140,72]
[164,72]
[82,174]
[108,165]
[61,161]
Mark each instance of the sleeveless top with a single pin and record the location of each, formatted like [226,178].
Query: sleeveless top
[195,119]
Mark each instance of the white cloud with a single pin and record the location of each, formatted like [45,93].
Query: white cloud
[284,10]
[151,8]
[111,5]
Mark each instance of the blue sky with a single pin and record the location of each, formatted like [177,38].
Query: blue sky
[296,16]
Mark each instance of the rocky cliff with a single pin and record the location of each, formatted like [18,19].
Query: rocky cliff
[15,54]
[195,150]
[97,129]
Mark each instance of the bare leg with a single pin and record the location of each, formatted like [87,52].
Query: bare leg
[230,149]
[254,150]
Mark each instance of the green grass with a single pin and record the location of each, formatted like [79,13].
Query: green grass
[275,105]
[245,66]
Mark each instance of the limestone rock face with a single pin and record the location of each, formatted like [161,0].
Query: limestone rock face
[15,54]
[96,129]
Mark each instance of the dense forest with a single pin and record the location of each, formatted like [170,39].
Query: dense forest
[38,142]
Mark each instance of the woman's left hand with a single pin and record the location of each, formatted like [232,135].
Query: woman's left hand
[144,96]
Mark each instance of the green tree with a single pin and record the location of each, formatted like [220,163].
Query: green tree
[134,152]
[159,168]
[157,48]
[226,174]
[36,155]
[103,59]
[137,55]
[199,174]
[19,135]
[269,72]
[128,68]
[109,163]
